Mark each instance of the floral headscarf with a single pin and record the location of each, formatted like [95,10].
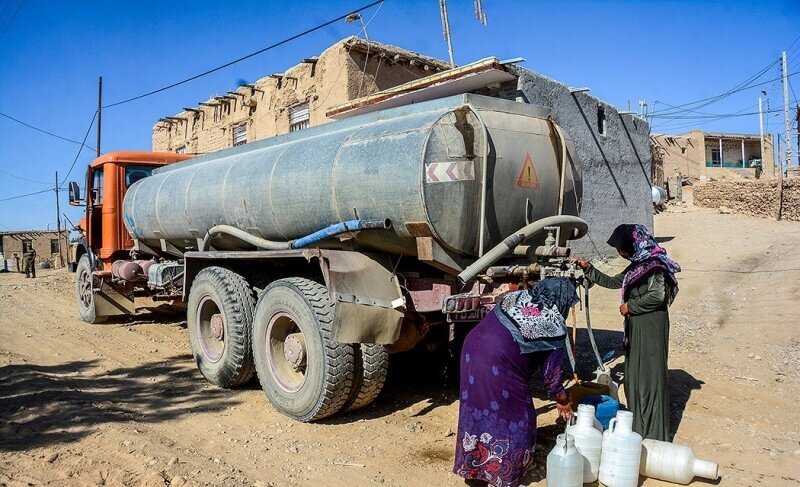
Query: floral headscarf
[646,257]
[536,317]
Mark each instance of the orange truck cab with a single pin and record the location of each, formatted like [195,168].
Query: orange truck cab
[103,236]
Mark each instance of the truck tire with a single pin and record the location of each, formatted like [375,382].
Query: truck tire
[305,374]
[220,319]
[372,366]
[84,292]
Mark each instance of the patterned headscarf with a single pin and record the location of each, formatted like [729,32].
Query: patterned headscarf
[646,257]
[536,317]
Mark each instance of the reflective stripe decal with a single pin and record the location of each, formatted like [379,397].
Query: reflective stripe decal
[447,172]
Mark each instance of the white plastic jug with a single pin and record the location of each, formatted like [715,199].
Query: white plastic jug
[622,448]
[564,464]
[674,463]
[588,436]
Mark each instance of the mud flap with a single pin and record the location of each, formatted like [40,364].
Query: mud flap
[112,299]
[368,299]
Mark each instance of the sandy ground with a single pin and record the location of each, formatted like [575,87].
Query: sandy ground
[122,403]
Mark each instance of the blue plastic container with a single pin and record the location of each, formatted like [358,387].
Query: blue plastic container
[605,408]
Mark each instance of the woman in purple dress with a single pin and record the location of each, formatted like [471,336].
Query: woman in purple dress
[496,418]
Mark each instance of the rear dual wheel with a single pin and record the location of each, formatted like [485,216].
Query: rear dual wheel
[304,372]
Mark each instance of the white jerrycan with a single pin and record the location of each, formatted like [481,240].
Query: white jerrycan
[588,436]
[622,448]
[674,463]
[564,464]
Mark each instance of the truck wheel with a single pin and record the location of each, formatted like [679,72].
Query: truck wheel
[220,319]
[84,292]
[305,374]
[372,365]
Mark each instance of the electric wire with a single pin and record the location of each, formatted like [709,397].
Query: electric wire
[80,149]
[27,194]
[8,26]
[744,85]
[42,130]
[247,56]
[21,178]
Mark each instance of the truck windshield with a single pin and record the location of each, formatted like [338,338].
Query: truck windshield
[135,173]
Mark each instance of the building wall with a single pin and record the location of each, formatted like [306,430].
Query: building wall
[615,166]
[11,246]
[687,154]
[348,69]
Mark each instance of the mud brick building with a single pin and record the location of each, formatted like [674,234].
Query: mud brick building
[46,243]
[292,100]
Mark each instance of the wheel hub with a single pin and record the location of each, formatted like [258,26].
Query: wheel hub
[217,328]
[294,350]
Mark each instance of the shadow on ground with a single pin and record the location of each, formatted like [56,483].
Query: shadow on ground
[46,405]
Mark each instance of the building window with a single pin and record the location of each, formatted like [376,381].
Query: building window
[239,133]
[181,149]
[601,120]
[27,245]
[298,117]
[54,246]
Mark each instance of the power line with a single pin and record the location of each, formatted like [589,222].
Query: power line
[80,149]
[12,19]
[746,84]
[23,179]
[27,194]
[668,112]
[42,130]
[248,56]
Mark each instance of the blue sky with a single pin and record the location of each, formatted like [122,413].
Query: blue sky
[51,54]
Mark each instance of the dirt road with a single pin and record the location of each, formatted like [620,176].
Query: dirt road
[122,403]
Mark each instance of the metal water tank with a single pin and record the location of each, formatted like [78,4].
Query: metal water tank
[421,166]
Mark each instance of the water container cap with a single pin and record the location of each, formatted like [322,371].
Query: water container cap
[586,409]
[625,415]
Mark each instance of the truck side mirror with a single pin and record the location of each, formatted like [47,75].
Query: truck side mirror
[74,194]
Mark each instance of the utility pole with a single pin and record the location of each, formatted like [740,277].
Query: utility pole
[797,119]
[785,76]
[780,181]
[446,30]
[642,108]
[761,137]
[58,225]
[99,112]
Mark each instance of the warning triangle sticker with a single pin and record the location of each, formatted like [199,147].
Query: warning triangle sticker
[527,177]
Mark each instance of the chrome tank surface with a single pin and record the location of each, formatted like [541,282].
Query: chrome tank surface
[421,166]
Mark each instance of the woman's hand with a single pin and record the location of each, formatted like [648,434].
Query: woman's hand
[623,309]
[583,264]
[563,406]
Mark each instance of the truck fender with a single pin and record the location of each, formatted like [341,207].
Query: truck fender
[369,301]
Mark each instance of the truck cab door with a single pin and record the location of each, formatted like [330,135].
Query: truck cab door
[94,209]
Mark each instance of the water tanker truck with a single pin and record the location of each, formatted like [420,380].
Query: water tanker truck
[308,258]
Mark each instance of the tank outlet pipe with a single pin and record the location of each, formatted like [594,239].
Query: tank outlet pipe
[339,228]
[244,237]
[521,236]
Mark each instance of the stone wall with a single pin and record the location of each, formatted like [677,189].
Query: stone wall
[615,164]
[751,197]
